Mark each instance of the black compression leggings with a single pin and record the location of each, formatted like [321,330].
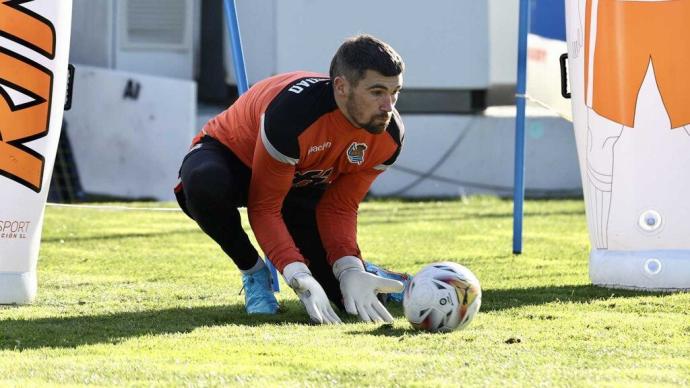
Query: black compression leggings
[215,183]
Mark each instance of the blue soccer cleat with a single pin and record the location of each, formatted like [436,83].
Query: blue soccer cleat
[384,273]
[258,293]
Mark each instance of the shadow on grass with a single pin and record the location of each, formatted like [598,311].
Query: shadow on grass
[70,332]
[502,299]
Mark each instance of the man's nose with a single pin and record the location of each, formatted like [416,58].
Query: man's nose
[387,104]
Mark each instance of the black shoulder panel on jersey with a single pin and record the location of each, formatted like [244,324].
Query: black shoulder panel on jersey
[294,109]
[396,129]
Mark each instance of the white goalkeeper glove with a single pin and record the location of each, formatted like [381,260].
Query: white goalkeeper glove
[359,289]
[310,292]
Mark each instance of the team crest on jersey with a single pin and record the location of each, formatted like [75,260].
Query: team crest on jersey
[355,153]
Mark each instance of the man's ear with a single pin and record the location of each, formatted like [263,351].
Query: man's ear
[340,85]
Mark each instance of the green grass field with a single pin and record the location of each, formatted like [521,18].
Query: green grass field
[137,298]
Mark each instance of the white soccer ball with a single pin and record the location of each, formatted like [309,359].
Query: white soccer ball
[442,296]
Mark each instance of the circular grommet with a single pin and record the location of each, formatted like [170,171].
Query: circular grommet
[649,221]
[652,267]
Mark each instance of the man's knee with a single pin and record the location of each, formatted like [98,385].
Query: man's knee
[206,184]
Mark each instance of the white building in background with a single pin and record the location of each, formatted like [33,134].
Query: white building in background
[458,54]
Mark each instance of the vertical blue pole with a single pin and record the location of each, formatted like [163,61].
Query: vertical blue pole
[236,44]
[519,181]
[242,84]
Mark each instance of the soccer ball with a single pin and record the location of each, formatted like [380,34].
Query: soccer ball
[442,296]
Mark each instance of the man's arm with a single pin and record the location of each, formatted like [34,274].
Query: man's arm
[337,220]
[336,213]
[271,180]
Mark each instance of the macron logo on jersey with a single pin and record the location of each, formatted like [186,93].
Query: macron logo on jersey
[320,147]
[303,84]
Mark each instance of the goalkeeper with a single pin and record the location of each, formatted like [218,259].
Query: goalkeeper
[300,150]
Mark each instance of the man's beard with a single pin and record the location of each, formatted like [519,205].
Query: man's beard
[376,125]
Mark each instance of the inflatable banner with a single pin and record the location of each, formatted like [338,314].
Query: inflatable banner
[34,48]
[629,75]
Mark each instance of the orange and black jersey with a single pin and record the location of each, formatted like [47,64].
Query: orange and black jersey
[290,132]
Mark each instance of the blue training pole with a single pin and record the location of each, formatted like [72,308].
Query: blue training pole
[236,44]
[519,186]
[242,84]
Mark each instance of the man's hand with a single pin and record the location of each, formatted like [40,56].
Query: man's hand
[310,292]
[359,290]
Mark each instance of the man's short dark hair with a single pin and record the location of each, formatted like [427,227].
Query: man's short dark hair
[364,52]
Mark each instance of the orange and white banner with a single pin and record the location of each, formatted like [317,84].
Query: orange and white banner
[34,50]
[630,85]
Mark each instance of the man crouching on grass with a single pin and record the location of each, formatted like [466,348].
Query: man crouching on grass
[300,150]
